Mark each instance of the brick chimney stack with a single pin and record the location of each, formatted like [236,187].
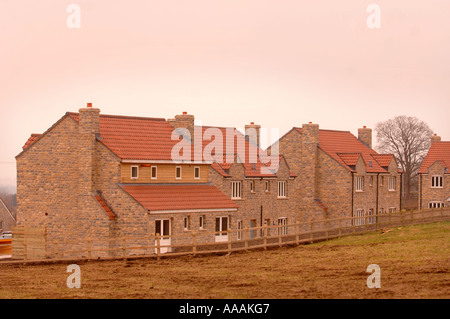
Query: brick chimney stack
[435,138]
[89,127]
[365,136]
[184,120]
[252,132]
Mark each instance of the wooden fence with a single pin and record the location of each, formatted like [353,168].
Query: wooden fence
[31,243]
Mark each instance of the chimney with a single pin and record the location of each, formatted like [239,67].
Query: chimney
[435,138]
[365,136]
[184,120]
[89,127]
[310,143]
[252,132]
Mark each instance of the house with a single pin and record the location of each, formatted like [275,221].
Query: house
[7,218]
[434,175]
[97,177]
[340,175]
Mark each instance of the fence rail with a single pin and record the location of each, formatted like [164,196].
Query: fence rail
[32,244]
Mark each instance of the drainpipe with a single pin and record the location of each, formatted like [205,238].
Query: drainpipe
[401,190]
[353,185]
[378,179]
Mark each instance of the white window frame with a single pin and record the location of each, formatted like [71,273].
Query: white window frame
[176,170]
[437,181]
[435,204]
[282,187]
[201,222]
[195,169]
[392,210]
[252,186]
[360,220]
[156,172]
[236,189]
[284,229]
[186,223]
[137,171]
[239,228]
[359,184]
[267,186]
[391,183]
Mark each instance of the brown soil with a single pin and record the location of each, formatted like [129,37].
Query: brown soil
[414,263]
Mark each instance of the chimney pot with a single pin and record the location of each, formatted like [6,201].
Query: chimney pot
[184,113]
[254,123]
[89,105]
[364,126]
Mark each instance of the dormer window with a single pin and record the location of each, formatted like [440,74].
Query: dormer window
[154,172]
[178,172]
[196,172]
[134,172]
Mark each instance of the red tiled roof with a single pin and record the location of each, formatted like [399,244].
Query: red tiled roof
[136,138]
[335,142]
[383,159]
[31,140]
[349,159]
[439,151]
[105,207]
[180,197]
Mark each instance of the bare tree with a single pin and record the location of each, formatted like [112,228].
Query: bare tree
[409,139]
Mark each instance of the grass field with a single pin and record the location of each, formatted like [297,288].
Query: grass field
[414,263]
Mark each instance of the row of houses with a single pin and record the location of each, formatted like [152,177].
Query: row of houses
[92,175]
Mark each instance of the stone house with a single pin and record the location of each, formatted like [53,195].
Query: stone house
[97,178]
[340,175]
[7,218]
[434,175]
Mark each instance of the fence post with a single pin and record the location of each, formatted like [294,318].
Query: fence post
[401,217]
[194,243]
[326,229]
[245,238]
[339,230]
[265,237]
[229,240]
[124,248]
[25,249]
[390,220]
[158,246]
[297,230]
[311,232]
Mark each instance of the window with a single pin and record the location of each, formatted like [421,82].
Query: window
[186,223]
[178,172]
[436,181]
[283,230]
[435,204]
[359,183]
[197,172]
[134,172]
[235,190]
[239,227]
[359,221]
[252,186]
[201,222]
[267,186]
[371,181]
[154,172]
[392,183]
[282,189]
[382,181]
[392,209]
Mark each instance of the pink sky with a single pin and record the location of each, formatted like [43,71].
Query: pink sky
[277,63]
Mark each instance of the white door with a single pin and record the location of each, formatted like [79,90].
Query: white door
[221,229]
[162,227]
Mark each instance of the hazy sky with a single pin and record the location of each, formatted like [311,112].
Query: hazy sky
[277,63]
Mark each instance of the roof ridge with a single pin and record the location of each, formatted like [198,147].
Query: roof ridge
[125,116]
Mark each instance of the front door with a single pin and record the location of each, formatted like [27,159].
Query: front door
[221,229]
[162,227]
